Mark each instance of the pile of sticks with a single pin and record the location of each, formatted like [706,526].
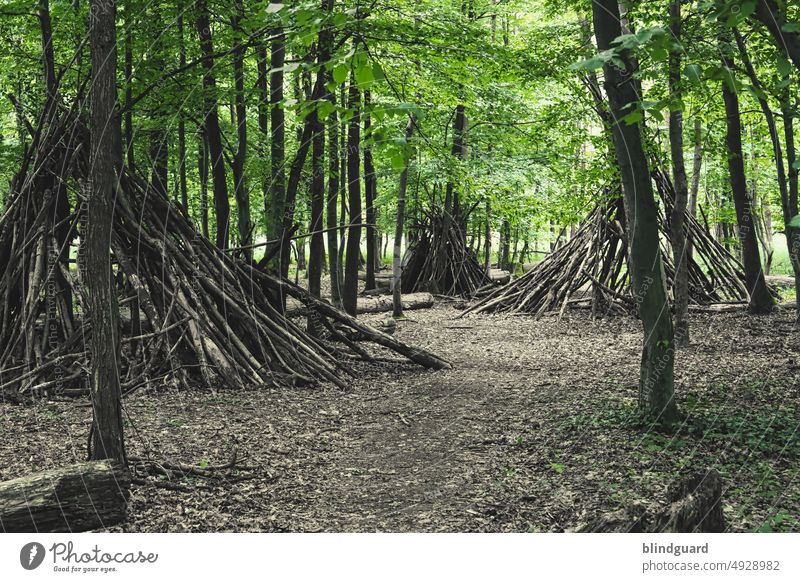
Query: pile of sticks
[192,314]
[440,261]
[590,269]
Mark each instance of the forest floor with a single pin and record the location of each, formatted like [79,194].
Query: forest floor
[534,429]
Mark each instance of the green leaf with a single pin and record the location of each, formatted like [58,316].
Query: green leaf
[364,75]
[795,221]
[791,27]
[634,117]
[784,66]
[340,73]
[557,467]
[693,72]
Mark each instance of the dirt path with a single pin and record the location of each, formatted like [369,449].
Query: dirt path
[533,430]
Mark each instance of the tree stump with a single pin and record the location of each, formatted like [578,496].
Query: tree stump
[68,499]
[695,506]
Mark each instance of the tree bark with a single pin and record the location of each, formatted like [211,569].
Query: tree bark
[350,290]
[316,259]
[645,263]
[677,218]
[397,257]
[240,156]
[68,499]
[278,134]
[107,437]
[222,207]
[332,220]
[370,192]
[760,298]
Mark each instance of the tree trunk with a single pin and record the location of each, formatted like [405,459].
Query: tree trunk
[349,296]
[240,156]
[397,257]
[203,175]
[278,138]
[677,218]
[644,263]
[70,499]
[792,233]
[332,219]
[222,208]
[128,85]
[370,186]
[107,438]
[182,129]
[768,13]
[760,298]
[697,165]
[487,243]
[316,259]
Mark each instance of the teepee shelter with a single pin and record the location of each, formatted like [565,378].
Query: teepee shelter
[591,267]
[192,314]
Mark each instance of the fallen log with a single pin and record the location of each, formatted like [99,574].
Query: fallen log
[383,303]
[77,498]
[695,506]
[499,276]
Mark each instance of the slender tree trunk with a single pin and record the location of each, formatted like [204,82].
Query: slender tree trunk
[397,256]
[645,264]
[263,125]
[677,219]
[760,298]
[203,169]
[350,291]
[487,243]
[792,232]
[129,85]
[697,165]
[774,18]
[316,259]
[370,185]
[278,145]
[107,437]
[182,129]
[222,207]
[334,263]
[240,156]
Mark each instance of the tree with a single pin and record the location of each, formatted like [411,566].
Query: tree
[107,436]
[645,265]
[679,238]
[760,298]
[350,291]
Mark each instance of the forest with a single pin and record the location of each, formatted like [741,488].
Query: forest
[389,266]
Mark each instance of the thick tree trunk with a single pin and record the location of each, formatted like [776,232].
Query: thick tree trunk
[677,218]
[644,263]
[129,155]
[397,256]
[71,499]
[107,438]
[222,207]
[350,291]
[760,298]
[370,192]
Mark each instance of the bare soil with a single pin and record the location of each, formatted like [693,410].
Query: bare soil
[534,429]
